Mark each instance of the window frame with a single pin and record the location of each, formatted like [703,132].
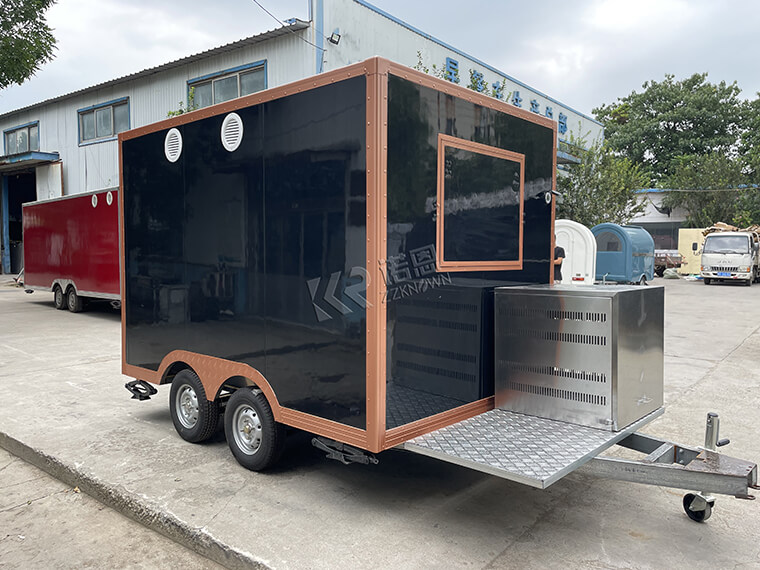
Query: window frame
[224,74]
[93,109]
[442,265]
[27,127]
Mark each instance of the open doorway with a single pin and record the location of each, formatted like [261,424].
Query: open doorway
[19,188]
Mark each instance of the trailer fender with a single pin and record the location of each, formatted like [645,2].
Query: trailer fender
[214,372]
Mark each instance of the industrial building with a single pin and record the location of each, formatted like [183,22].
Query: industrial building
[68,144]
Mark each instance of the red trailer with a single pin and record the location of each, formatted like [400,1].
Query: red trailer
[71,247]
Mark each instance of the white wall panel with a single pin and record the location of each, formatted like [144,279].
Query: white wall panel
[49,180]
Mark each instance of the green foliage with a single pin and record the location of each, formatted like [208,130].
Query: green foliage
[182,109]
[670,119]
[26,41]
[477,83]
[600,188]
[435,71]
[747,207]
[709,183]
[750,140]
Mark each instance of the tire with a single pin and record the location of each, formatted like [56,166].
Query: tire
[749,282]
[706,280]
[194,417]
[59,299]
[696,516]
[255,439]
[73,301]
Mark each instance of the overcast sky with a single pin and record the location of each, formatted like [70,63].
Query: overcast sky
[581,53]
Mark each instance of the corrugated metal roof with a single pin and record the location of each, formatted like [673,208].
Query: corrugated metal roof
[293,26]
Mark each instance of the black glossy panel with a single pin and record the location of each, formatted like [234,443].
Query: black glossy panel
[481,207]
[153,232]
[223,249]
[315,213]
[416,115]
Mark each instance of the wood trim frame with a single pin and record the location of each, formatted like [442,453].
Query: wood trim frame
[442,265]
[409,431]
[377,247]
[211,370]
[214,371]
[403,433]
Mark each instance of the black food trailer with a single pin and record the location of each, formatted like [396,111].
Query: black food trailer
[366,255]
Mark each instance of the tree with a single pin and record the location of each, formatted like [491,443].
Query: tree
[708,188]
[601,188]
[26,41]
[671,119]
[750,140]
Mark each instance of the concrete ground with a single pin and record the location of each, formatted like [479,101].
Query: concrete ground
[63,407]
[46,524]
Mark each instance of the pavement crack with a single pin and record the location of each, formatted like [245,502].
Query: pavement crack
[11,462]
[30,501]
[24,482]
[224,507]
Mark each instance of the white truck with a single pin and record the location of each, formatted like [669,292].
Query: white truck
[731,256]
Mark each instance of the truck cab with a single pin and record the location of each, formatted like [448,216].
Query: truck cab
[730,256]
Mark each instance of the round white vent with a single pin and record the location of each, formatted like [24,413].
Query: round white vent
[109,198]
[173,145]
[232,131]
[94,200]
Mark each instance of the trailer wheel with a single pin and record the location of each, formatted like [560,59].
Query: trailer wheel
[697,516]
[706,280]
[73,301]
[59,300]
[255,439]
[194,417]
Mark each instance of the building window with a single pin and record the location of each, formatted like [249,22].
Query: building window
[104,121]
[229,84]
[22,139]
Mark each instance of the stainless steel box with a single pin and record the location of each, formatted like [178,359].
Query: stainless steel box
[589,355]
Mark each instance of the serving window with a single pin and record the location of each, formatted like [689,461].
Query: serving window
[479,206]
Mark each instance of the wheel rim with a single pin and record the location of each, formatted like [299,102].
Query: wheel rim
[70,299]
[247,429]
[187,406]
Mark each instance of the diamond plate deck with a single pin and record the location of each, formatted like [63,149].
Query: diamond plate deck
[527,449]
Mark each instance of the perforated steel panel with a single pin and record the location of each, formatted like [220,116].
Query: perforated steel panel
[586,355]
[527,449]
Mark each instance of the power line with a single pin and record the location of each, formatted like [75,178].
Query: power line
[276,19]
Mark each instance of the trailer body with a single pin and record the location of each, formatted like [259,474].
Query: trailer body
[71,246]
[579,265]
[624,254]
[333,255]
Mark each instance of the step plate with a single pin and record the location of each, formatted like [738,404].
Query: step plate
[527,449]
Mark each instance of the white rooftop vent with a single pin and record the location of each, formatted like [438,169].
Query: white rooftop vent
[173,145]
[232,131]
